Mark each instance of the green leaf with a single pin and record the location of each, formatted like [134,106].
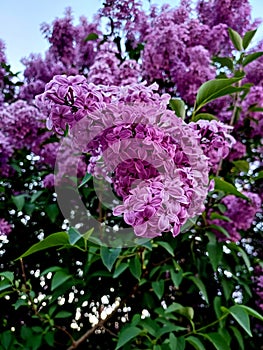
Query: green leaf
[7,339]
[50,269]
[91,36]
[213,89]
[35,196]
[20,302]
[167,247]
[50,338]
[259,176]
[173,307]
[8,275]
[63,314]
[178,106]
[217,306]
[252,312]
[224,62]
[204,116]
[126,335]
[227,288]
[52,212]
[251,57]
[5,284]
[241,316]
[241,165]
[200,285]
[19,201]
[176,277]
[59,278]
[220,229]
[87,234]
[195,342]
[217,340]
[215,215]
[109,256]
[158,288]
[135,267]
[150,326]
[248,37]
[227,188]
[53,240]
[74,235]
[120,269]
[180,343]
[85,179]
[238,337]
[215,254]
[172,341]
[241,252]
[236,39]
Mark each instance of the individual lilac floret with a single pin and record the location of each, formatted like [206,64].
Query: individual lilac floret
[241,214]
[5,227]
[215,140]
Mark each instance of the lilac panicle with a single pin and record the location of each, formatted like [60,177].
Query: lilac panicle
[5,227]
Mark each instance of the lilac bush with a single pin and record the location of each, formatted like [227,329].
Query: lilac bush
[145,124]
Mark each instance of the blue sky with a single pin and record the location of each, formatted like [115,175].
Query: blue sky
[20,22]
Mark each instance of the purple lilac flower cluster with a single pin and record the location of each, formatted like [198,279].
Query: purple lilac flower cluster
[141,142]
[23,117]
[173,56]
[6,151]
[5,227]
[215,140]
[258,285]
[2,71]
[237,151]
[253,99]
[241,214]
[235,14]
[69,53]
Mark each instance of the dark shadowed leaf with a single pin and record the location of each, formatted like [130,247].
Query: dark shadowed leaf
[195,342]
[241,316]
[158,288]
[59,278]
[55,240]
[126,335]
[217,340]
[109,256]
[135,267]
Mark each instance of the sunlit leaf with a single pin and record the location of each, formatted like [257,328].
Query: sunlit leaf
[236,39]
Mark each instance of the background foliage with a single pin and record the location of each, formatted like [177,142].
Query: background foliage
[199,290]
